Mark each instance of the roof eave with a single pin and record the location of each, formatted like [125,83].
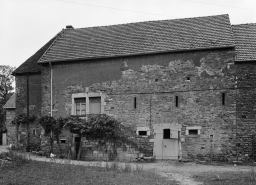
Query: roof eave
[139,54]
[245,61]
[9,107]
[25,73]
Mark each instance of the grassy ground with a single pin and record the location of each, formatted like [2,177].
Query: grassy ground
[19,171]
[226,178]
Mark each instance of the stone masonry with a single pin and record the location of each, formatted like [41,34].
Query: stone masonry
[199,80]
[34,108]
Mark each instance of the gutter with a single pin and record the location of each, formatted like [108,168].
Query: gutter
[51,106]
[51,85]
[27,147]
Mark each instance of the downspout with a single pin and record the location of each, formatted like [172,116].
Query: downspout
[51,85]
[51,106]
[27,147]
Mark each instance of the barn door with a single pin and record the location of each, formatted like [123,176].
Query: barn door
[170,144]
[166,142]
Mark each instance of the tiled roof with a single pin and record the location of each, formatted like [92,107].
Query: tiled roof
[31,65]
[245,39]
[11,103]
[141,38]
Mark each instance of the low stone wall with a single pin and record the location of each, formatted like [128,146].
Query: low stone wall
[99,150]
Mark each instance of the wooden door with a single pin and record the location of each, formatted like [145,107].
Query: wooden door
[170,149]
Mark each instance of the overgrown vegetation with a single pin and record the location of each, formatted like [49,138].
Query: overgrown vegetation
[104,129]
[34,172]
[53,125]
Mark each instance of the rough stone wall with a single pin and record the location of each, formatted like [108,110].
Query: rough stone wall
[34,107]
[11,129]
[246,110]
[197,78]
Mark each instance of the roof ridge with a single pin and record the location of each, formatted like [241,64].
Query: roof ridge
[149,21]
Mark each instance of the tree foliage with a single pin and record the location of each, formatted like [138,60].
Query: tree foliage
[22,119]
[95,127]
[6,81]
[19,120]
[101,127]
[56,125]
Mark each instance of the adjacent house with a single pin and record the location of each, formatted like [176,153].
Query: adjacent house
[10,106]
[186,86]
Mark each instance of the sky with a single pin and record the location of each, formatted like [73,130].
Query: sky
[26,25]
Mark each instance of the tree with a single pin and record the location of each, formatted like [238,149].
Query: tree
[6,88]
[20,120]
[53,127]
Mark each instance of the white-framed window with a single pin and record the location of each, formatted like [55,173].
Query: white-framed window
[62,141]
[143,131]
[87,103]
[193,131]
[80,106]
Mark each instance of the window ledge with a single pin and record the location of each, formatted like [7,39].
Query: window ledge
[192,136]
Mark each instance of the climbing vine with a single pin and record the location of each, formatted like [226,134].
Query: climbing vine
[101,127]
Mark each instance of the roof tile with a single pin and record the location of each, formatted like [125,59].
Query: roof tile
[245,39]
[31,65]
[11,103]
[141,38]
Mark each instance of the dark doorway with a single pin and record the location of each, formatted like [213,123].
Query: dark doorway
[1,137]
[77,144]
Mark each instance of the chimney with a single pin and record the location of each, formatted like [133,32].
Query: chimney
[69,27]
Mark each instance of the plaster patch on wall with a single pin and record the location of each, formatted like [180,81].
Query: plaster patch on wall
[212,65]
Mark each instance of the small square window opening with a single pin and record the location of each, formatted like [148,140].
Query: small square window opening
[63,141]
[142,133]
[167,133]
[193,132]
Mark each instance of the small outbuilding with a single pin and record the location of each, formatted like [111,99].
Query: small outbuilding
[8,136]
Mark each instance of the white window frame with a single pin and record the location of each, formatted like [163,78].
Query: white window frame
[80,104]
[87,96]
[198,128]
[143,129]
[63,140]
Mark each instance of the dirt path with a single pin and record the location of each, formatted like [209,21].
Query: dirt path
[183,172]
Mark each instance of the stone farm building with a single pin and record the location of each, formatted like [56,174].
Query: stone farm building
[185,86]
